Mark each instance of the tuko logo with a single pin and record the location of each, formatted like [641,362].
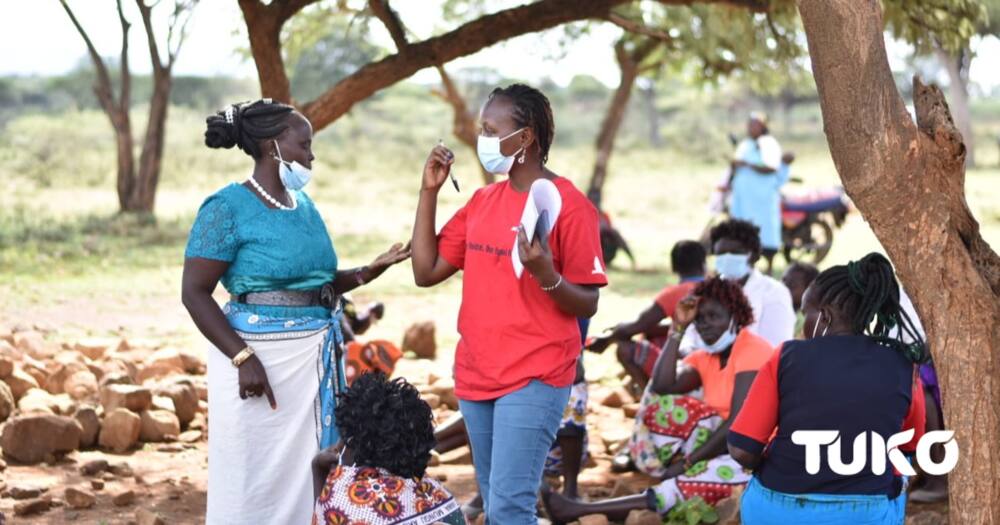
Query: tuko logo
[881,449]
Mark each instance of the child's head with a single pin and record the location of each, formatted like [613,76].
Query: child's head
[687,258]
[386,425]
[797,278]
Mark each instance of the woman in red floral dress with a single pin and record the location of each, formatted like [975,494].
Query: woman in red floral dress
[376,474]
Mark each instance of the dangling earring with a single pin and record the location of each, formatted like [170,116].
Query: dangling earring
[521,159]
[816,326]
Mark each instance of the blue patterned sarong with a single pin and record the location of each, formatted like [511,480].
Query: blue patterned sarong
[330,361]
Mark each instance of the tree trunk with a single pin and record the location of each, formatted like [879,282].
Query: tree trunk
[463,120]
[649,101]
[628,63]
[122,125]
[958,91]
[908,182]
[264,32]
[143,195]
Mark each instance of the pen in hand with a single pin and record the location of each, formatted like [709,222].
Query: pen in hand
[450,173]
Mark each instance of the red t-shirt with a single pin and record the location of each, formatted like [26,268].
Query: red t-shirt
[511,331]
[668,298]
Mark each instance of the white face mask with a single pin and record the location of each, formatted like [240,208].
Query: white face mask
[493,161]
[732,266]
[724,341]
[292,174]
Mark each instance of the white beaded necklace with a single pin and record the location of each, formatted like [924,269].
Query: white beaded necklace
[271,199]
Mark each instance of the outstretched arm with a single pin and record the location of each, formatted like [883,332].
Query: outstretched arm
[347,280]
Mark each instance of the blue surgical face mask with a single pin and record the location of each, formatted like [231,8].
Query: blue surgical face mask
[292,174]
[724,341]
[490,156]
[732,266]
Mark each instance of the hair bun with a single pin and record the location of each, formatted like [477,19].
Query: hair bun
[222,130]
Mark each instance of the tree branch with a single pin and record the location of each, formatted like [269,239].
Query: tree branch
[935,121]
[102,89]
[183,12]
[640,28]
[125,89]
[285,9]
[468,38]
[390,19]
[757,6]
[154,50]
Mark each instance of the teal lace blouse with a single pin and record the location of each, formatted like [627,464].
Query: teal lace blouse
[267,249]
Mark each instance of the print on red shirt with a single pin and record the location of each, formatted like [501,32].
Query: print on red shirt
[511,331]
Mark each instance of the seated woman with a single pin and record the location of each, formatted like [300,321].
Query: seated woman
[854,375]
[678,438]
[376,474]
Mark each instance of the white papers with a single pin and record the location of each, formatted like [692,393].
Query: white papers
[542,197]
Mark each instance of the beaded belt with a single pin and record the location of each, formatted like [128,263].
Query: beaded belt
[324,297]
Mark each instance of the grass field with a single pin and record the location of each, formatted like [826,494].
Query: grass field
[68,261]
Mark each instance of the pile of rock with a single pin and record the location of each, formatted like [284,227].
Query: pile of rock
[98,392]
[419,339]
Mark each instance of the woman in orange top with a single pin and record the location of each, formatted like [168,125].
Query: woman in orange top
[679,438]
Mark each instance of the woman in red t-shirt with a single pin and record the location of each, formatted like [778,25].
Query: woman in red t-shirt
[516,358]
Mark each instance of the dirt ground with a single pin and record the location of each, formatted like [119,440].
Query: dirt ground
[170,479]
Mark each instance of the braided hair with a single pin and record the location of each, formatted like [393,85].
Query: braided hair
[531,109]
[745,232]
[866,290]
[246,124]
[730,296]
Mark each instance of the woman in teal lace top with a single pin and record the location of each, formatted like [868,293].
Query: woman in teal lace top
[275,366]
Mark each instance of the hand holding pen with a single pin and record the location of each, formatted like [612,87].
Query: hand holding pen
[437,169]
[451,174]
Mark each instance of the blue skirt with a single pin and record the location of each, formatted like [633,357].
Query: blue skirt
[763,506]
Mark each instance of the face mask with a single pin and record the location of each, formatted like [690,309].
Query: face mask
[490,156]
[732,266]
[292,174]
[725,340]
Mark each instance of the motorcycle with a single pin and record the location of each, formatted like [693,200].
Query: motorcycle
[808,219]
[807,223]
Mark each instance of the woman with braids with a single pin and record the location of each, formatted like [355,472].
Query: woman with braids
[376,473]
[520,341]
[277,360]
[679,438]
[854,374]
